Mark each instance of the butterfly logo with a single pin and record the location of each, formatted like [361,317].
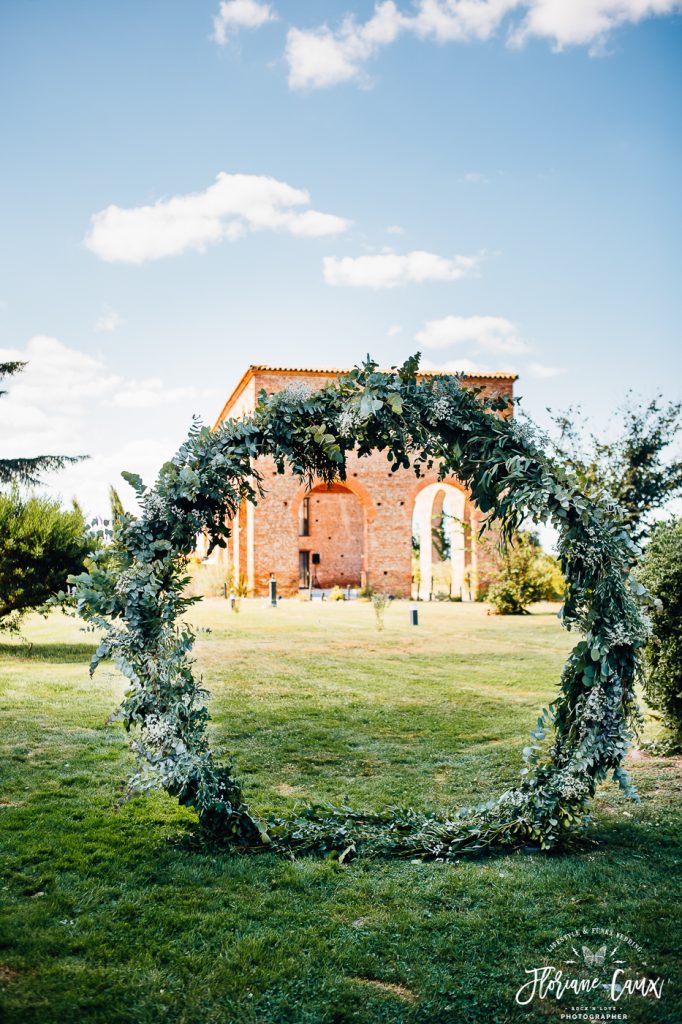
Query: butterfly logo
[594,959]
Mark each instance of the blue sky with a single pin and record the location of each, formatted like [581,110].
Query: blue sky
[530,158]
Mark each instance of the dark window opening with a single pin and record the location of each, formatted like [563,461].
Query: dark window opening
[304,519]
[304,569]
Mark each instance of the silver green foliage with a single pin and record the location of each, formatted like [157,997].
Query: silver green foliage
[136,593]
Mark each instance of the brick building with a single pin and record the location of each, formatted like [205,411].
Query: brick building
[355,533]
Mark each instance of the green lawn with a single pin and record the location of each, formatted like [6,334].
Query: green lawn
[111,913]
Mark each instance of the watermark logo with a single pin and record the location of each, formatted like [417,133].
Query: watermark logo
[591,974]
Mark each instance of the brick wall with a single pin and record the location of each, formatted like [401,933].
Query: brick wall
[362,536]
[337,535]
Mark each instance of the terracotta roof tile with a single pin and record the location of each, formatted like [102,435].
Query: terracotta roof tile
[256,368]
[265,368]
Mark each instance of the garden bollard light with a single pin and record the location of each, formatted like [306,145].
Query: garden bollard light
[414,615]
[273,592]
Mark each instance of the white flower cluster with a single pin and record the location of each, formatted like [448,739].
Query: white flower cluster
[442,408]
[596,704]
[527,433]
[155,506]
[349,419]
[157,729]
[601,727]
[573,785]
[297,392]
[513,798]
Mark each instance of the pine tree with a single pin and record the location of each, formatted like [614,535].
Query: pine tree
[27,471]
[117,509]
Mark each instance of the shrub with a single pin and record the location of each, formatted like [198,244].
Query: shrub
[523,574]
[237,585]
[209,579]
[379,602]
[40,545]
[337,594]
[206,579]
[661,572]
[553,582]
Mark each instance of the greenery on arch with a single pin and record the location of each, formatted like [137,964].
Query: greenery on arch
[135,593]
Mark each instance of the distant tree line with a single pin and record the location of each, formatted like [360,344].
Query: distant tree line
[40,543]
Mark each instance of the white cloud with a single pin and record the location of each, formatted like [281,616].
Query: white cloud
[109,320]
[46,401]
[237,14]
[494,335]
[231,206]
[455,366]
[393,330]
[390,270]
[312,224]
[322,57]
[584,22]
[151,393]
[70,403]
[395,229]
[487,333]
[542,372]
[90,481]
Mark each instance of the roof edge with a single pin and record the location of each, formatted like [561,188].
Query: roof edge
[255,368]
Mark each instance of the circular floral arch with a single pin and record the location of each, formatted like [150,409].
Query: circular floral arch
[135,593]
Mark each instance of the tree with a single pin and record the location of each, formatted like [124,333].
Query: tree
[632,469]
[40,545]
[27,471]
[523,574]
[117,509]
[661,573]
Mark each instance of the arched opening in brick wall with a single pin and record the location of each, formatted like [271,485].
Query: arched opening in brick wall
[438,543]
[332,538]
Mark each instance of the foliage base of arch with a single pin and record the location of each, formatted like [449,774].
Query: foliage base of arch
[135,593]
